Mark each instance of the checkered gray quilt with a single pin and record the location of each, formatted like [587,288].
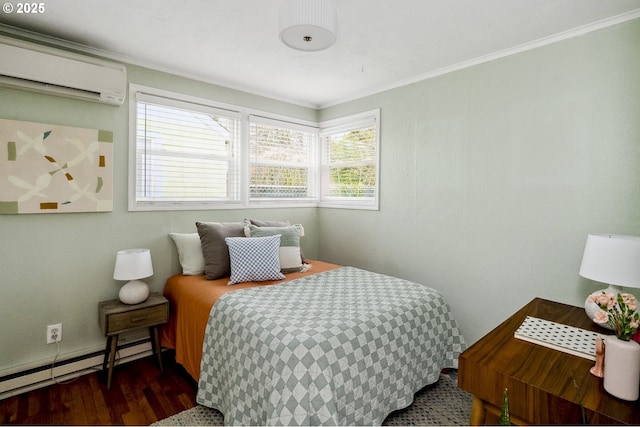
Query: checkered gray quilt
[342,347]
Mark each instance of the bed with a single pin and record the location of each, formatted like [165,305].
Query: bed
[191,298]
[333,345]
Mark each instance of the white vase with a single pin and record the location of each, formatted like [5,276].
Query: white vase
[621,368]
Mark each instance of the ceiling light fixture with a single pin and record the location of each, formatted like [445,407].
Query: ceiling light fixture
[308,25]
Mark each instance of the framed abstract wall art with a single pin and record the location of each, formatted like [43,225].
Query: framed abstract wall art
[54,169]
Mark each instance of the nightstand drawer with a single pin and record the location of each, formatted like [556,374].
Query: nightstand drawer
[119,322]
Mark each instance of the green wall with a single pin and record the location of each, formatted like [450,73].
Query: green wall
[55,268]
[493,176]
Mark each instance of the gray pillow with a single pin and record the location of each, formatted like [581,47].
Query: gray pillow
[214,247]
[290,259]
[259,223]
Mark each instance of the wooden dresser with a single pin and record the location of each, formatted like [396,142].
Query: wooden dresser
[546,386]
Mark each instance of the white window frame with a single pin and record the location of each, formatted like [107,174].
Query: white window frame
[351,122]
[170,99]
[189,102]
[286,123]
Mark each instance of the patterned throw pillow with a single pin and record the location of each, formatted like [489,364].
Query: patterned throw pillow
[254,259]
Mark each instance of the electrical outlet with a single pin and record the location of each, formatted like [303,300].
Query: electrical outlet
[54,333]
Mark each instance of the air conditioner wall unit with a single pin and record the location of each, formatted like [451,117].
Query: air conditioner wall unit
[39,68]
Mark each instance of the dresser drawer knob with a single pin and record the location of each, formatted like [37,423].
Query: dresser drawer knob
[138,319]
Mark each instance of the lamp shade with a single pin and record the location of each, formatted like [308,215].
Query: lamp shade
[612,259]
[132,264]
[308,25]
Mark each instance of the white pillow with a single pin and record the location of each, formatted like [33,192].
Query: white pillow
[254,259]
[189,253]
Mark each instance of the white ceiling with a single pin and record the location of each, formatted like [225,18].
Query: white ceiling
[380,43]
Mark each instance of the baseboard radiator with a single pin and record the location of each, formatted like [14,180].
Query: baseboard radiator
[67,369]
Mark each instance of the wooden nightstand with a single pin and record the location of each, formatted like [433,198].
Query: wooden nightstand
[116,317]
[546,386]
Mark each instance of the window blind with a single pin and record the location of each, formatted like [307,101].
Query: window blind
[281,158]
[186,152]
[349,161]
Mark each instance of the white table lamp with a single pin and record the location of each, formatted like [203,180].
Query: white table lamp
[611,259]
[133,265]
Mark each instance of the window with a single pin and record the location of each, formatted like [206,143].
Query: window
[191,153]
[350,162]
[281,160]
[186,155]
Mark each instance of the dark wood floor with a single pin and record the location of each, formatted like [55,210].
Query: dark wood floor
[140,394]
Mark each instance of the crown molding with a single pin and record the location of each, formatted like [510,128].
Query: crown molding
[575,32]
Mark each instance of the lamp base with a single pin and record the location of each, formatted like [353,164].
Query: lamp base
[591,308]
[134,292]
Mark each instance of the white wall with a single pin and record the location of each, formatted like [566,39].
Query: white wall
[55,268]
[493,176]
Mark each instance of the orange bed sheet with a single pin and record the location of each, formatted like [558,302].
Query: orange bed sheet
[190,301]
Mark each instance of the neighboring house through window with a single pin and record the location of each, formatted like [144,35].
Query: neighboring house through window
[186,156]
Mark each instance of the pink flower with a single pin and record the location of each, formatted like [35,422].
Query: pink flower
[618,311]
[630,300]
[601,317]
[603,299]
[611,300]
